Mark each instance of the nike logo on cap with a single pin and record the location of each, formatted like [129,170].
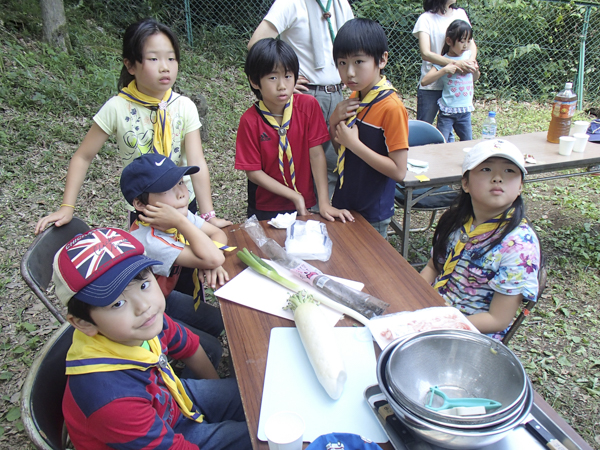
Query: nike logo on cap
[160,163]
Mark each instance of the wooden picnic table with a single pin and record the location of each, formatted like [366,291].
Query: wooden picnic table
[359,253]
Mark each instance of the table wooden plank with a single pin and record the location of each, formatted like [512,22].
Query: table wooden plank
[445,160]
[359,253]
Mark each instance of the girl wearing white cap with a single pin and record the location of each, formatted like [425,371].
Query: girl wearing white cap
[485,255]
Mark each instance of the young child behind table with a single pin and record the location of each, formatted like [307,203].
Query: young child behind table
[146,116]
[171,234]
[279,139]
[485,256]
[370,129]
[456,102]
[121,391]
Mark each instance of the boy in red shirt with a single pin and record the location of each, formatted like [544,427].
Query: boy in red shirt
[279,140]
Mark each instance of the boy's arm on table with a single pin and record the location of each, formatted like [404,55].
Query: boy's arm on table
[80,162]
[318,167]
[201,252]
[201,179]
[429,273]
[394,165]
[427,55]
[260,178]
[502,311]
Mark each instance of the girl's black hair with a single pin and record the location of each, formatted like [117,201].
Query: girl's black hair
[133,45]
[360,35]
[457,30]
[437,6]
[458,214]
[81,310]
[265,56]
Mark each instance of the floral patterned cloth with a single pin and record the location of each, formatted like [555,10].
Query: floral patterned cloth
[510,268]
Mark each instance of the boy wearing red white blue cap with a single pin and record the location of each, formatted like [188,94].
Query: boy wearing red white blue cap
[121,391]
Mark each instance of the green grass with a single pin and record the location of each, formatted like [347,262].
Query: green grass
[47,100]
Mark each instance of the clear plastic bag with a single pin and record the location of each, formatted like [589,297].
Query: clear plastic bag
[308,240]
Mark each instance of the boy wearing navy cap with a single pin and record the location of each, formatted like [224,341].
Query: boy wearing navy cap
[121,391]
[154,186]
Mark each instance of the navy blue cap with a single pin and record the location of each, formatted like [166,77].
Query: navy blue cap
[151,173]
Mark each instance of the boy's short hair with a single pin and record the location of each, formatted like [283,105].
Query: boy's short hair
[96,266]
[360,35]
[265,56]
[151,173]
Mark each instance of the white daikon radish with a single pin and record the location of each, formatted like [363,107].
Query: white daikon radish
[320,343]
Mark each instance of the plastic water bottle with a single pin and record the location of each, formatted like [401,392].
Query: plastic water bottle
[489,126]
[563,110]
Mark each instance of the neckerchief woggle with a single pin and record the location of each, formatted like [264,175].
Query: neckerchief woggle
[162,139]
[92,354]
[382,86]
[197,294]
[284,144]
[465,236]
[327,17]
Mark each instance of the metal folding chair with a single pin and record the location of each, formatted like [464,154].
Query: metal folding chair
[423,133]
[42,393]
[36,265]
[526,310]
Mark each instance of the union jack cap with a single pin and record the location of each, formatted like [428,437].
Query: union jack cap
[95,267]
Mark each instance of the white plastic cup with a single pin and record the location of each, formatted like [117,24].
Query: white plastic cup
[565,145]
[284,431]
[580,142]
[579,126]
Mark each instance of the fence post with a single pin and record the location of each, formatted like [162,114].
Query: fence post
[581,69]
[188,23]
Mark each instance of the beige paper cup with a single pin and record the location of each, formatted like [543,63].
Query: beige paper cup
[565,145]
[284,431]
[579,126]
[581,140]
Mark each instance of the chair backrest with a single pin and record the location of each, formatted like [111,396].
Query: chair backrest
[36,265]
[526,310]
[42,393]
[423,133]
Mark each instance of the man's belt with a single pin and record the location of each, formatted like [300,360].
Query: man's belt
[330,89]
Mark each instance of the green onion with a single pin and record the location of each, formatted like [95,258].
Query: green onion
[258,265]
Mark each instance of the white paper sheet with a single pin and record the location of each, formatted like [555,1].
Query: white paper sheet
[291,385]
[259,292]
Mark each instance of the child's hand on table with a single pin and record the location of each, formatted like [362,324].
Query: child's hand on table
[330,213]
[214,276]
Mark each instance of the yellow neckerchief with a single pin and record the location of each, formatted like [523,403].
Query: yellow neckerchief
[196,275]
[92,354]
[382,86]
[284,144]
[465,236]
[162,140]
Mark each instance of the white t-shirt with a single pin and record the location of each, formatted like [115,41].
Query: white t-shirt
[290,18]
[162,246]
[435,25]
[132,126]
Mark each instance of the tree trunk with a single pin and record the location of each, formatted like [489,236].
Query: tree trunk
[55,24]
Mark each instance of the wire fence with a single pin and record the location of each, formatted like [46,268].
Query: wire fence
[527,49]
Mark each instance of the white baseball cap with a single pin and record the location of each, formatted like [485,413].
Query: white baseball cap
[493,148]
